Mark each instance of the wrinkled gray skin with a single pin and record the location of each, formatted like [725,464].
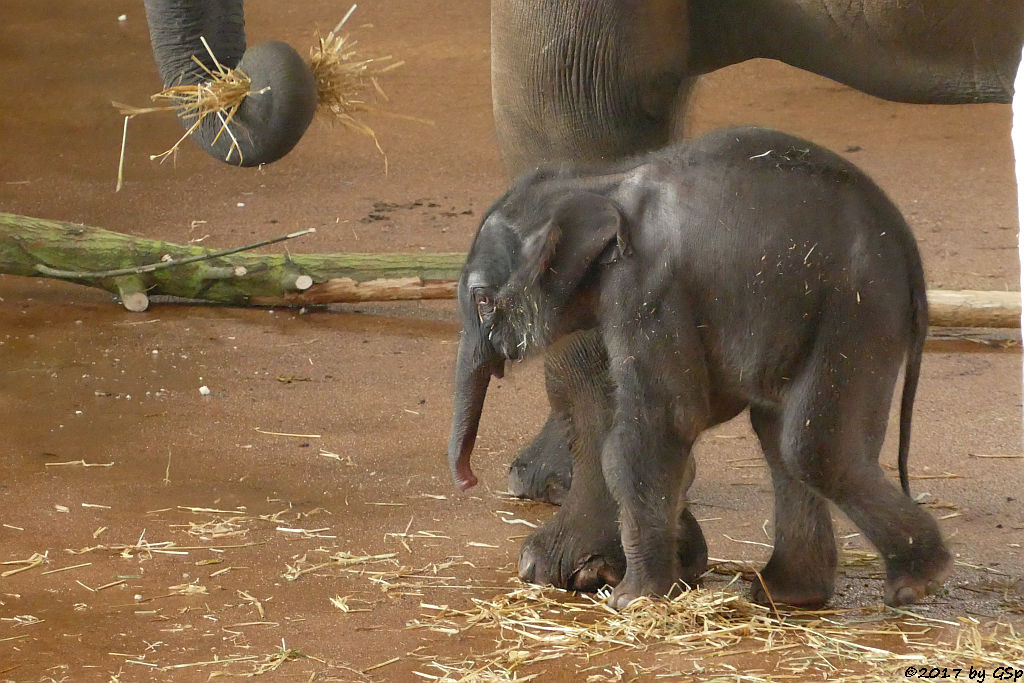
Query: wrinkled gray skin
[745,268]
[608,79]
[605,79]
[268,124]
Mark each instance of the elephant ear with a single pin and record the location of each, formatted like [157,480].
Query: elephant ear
[585,229]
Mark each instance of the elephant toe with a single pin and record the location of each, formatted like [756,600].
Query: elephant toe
[533,566]
[805,595]
[535,481]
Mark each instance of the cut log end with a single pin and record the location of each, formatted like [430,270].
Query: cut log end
[136,302]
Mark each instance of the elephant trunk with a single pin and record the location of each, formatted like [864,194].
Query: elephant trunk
[473,371]
[271,120]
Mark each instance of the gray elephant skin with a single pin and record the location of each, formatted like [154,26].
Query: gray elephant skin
[606,79]
[268,123]
[747,268]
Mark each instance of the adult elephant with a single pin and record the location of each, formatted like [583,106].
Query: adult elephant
[592,80]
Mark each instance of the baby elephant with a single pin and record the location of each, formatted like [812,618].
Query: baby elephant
[744,268]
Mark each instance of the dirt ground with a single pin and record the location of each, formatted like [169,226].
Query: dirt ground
[186,535]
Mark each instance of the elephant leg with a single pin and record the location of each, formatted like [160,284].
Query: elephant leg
[801,570]
[543,470]
[580,547]
[832,426]
[586,82]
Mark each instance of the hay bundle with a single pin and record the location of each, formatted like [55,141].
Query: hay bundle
[343,78]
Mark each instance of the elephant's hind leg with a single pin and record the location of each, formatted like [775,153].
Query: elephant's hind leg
[801,570]
[833,426]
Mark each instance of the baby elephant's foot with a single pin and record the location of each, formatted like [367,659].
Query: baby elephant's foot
[796,589]
[574,552]
[635,585]
[910,587]
[543,470]
[692,551]
[683,572]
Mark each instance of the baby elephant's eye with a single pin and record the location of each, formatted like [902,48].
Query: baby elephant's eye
[484,302]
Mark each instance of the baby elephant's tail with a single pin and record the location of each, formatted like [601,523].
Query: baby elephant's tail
[912,372]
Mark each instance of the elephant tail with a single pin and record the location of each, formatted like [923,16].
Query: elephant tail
[915,352]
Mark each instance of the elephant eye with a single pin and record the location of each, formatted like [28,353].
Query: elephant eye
[484,302]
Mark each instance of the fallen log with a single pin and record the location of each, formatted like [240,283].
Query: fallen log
[136,268]
[143,267]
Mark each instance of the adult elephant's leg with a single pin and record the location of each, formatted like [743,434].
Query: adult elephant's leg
[271,120]
[579,548]
[585,81]
[543,470]
[581,82]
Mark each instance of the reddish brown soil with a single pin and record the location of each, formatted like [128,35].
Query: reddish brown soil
[83,380]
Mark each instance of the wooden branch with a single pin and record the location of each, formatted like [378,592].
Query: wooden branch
[167,262]
[123,264]
[309,279]
[972,308]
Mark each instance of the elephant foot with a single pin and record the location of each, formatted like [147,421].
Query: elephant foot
[692,550]
[579,552]
[543,470]
[582,551]
[795,589]
[648,584]
[906,589]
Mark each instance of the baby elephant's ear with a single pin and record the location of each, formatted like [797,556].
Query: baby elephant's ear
[585,228]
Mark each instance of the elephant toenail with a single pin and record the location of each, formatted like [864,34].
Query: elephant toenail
[906,596]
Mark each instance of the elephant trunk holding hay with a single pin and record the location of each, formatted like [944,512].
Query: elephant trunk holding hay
[272,119]
[747,268]
[608,79]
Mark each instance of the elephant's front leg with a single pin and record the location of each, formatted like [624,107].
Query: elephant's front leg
[580,548]
[648,466]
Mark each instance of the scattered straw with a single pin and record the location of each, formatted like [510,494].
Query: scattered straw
[31,563]
[297,436]
[534,624]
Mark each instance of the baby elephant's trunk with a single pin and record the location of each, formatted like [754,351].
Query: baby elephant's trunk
[472,376]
